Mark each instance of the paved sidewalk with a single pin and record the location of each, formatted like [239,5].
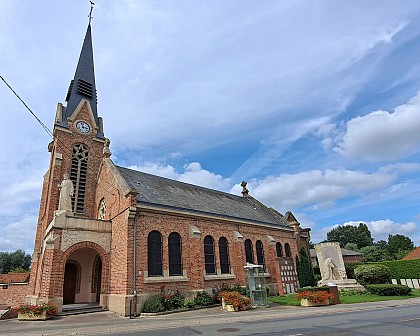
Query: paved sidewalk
[106,322]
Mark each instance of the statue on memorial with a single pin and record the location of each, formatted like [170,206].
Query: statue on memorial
[66,192]
[328,269]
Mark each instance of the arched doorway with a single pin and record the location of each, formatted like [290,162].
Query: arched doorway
[82,277]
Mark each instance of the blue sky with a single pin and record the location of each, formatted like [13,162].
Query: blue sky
[315,104]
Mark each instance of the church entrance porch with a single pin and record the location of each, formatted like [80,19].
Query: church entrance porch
[82,277]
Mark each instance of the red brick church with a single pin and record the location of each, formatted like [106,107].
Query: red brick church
[127,233]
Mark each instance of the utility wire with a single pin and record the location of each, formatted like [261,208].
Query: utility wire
[61,143]
[27,107]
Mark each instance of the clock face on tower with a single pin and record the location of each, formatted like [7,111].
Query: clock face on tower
[83,127]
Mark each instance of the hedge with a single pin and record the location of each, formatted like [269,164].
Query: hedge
[372,274]
[388,290]
[403,269]
[400,269]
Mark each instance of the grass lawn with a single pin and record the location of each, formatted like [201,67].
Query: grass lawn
[290,300]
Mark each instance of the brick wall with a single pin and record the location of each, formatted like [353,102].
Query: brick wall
[14,294]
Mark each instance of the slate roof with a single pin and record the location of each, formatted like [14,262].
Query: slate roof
[344,252]
[14,278]
[171,194]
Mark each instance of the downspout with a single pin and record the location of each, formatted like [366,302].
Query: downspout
[135,264]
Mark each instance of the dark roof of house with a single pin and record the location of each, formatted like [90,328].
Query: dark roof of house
[171,194]
[14,278]
[344,252]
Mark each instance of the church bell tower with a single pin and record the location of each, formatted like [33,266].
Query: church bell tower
[67,244]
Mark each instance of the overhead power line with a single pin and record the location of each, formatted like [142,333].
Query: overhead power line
[27,107]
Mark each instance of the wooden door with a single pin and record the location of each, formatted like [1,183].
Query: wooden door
[69,288]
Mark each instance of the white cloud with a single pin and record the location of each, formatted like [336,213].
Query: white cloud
[317,188]
[380,229]
[382,135]
[19,234]
[193,173]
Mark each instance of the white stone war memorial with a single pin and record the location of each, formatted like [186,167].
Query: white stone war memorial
[332,267]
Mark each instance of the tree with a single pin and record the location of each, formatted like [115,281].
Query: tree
[304,269]
[359,235]
[14,261]
[399,245]
[351,247]
[374,253]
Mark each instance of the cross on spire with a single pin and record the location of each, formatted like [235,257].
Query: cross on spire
[91,9]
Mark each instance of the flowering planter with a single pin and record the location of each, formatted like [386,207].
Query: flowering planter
[34,317]
[307,303]
[230,308]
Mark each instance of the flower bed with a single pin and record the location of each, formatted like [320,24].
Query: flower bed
[42,311]
[234,301]
[314,298]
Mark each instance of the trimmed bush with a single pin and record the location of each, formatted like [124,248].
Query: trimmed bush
[177,299]
[403,269]
[203,299]
[388,290]
[153,304]
[228,288]
[350,267]
[372,274]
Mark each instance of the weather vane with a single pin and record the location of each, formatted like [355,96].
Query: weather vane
[91,9]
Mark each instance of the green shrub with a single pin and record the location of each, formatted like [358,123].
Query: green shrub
[317,270]
[388,290]
[372,274]
[190,304]
[352,292]
[203,299]
[403,269]
[350,267]
[228,288]
[177,299]
[153,304]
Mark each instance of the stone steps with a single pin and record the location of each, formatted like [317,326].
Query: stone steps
[75,309]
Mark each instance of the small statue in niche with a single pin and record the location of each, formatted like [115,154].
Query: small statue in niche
[66,192]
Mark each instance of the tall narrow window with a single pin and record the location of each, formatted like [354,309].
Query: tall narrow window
[249,253]
[175,254]
[287,250]
[154,253]
[260,253]
[279,250]
[209,260]
[78,175]
[224,255]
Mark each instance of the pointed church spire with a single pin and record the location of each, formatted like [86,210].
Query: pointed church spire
[83,85]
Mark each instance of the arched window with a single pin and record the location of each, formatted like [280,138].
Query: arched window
[78,175]
[209,260]
[154,253]
[224,255]
[287,250]
[279,250]
[175,254]
[260,253]
[249,253]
